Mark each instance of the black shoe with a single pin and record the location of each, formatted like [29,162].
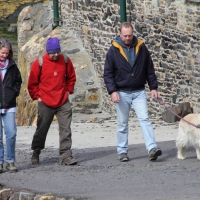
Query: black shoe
[11,167]
[1,168]
[35,157]
[154,153]
[123,157]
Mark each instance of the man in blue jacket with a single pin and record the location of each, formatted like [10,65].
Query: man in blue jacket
[128,67]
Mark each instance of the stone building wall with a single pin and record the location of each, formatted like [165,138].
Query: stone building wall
[170,29]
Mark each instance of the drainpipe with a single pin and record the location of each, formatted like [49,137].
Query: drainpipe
[122,10]
[55,14]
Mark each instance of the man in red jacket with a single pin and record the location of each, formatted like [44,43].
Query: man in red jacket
[51,85]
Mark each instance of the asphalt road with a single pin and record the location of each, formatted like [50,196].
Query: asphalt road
[100,176]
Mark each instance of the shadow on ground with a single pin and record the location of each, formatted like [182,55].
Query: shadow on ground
[100,175]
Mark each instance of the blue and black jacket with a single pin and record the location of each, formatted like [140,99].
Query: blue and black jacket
[129,69]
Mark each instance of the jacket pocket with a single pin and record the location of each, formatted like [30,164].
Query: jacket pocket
[121,75]
[10,97]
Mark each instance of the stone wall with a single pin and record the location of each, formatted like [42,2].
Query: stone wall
[170,29]
[11,194]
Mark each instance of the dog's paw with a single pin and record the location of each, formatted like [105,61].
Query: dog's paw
[181,157]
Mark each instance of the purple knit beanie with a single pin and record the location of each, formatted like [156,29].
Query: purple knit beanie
[53,45]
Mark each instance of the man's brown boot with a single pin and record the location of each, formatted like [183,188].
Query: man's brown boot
[69,161]
[35,157]
[11,167]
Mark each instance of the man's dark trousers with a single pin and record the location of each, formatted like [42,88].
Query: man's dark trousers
[45,118]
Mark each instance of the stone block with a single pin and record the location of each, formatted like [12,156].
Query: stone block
[26,196]
[45,197]
[12,28]
[5,193]
[16,196]
[181,110]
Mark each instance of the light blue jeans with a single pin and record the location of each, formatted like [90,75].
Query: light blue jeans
[10,133]
[138,101]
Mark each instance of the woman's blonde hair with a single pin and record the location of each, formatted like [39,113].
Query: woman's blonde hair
[5,43]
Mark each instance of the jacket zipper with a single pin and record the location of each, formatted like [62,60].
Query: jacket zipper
[136,56]
[3,95]
[3,89]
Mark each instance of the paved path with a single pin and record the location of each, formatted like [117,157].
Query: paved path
[99,175]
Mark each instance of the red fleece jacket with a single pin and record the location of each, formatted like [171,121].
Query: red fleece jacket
[54,82]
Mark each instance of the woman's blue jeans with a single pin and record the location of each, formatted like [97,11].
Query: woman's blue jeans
[10,133]
[138,101]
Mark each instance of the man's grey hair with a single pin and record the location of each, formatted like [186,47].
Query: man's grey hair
[126,25]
